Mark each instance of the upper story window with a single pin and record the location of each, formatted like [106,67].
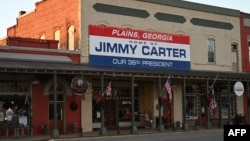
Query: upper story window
[42,37]
[234,52]
[234,48]
[211,50]
[71,38]
[57,35]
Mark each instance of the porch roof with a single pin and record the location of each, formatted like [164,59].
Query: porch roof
[43,67]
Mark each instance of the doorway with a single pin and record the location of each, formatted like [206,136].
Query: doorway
[167,112]
[60,111]
[110,114]
[59,114]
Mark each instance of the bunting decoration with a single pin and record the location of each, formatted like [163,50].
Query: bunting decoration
[169,89]
[213,103]
[108,90]
[212,99]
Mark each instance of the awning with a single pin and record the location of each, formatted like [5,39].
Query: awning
[24,66]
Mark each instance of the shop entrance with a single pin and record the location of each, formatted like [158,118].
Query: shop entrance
[60,111]
[117,107]
[110,114]
[167,113]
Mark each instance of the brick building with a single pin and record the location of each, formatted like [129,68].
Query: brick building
[58,22]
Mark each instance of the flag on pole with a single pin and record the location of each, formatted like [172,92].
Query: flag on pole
[108,89]
[212,92]
[213,103]
[169,89]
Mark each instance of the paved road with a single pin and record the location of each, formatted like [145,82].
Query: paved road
[206,135]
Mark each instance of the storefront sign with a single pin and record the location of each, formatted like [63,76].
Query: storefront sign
[79,85]
[120,47]
[239,88]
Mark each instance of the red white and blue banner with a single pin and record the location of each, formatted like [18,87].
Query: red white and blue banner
[121,47]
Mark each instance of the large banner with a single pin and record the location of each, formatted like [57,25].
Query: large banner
[120,47]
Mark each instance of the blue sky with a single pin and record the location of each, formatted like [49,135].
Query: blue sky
[9,9]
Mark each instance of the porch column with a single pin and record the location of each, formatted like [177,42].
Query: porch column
[134,128]
[208,124]
[220,112]
[160,126]
[248,104]
[229,103]
[103,130]
[55,132]
[184,125]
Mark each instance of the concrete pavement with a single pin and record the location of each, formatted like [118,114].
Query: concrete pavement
[96,133]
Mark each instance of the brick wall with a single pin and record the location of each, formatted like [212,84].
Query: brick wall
[48,16]
[34,43]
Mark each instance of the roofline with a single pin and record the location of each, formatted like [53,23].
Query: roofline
[51,67]
[197,7]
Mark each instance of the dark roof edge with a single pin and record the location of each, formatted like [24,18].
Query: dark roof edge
[74,68]
[197,7]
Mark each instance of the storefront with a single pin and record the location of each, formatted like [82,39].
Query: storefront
[132,92]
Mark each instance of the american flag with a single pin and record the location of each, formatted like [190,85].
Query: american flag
[169,89]
[213,103]
[108,89]
[212,92]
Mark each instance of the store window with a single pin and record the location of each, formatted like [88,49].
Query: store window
[224,107]
[198,98]
[15,102]
[118,105]
[191,107]
[195,100]
[225,101]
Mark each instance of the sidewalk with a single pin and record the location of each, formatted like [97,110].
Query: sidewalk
[97,134]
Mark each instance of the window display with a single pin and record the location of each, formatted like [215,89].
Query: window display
[191,107]
[14,103]
[119,103]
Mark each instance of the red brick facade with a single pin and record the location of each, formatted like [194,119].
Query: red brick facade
[245,31]
[36,43]
[49,16]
